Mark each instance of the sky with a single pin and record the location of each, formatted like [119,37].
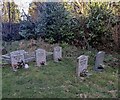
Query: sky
[23,4]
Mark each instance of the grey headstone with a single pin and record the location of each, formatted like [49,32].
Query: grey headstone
[99,61]
[82,64]
[16,56]
[57,53]
[40,57]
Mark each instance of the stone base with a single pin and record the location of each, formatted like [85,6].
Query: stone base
[98,69]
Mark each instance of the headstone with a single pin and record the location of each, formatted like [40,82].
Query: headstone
[57,53]
[82,64]
[40,57]
[16,56]
[99,61]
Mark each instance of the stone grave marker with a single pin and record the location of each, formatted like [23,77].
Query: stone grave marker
[40,57]
[16,56]
[57,53]
[99,61]
[82,65]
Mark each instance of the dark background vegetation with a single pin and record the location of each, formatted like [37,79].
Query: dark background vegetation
[14,35]
[86,25]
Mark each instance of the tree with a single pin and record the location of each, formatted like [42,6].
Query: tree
[78,7]
[116,25]
[10,12]
[54,23]
[27,30]
[99,24]
[34,10]
[28,26]
[79,12]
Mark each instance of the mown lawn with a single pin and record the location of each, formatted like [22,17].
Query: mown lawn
[58,80]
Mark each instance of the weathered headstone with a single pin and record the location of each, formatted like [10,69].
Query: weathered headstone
[82,64]
[57,53]
[99,61]
[40,57]
[16,56]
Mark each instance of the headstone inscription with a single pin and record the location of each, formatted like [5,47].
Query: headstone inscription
[40,57]
[16,58]
[82,65]
[57,53]
[99,61]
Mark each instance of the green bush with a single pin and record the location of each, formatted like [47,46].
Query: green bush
[99,24]
[27,30]
[55,23]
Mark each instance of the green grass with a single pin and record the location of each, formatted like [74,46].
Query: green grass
[58,80]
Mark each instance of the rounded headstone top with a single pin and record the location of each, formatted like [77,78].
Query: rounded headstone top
[82,56]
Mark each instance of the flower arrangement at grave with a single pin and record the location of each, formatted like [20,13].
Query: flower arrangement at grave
[59,59]
[42,63]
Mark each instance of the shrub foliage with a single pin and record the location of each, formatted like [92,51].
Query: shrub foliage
[58,24]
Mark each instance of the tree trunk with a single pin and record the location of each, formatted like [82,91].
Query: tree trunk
[9,15]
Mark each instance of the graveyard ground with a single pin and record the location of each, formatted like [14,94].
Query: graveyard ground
[58,80]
